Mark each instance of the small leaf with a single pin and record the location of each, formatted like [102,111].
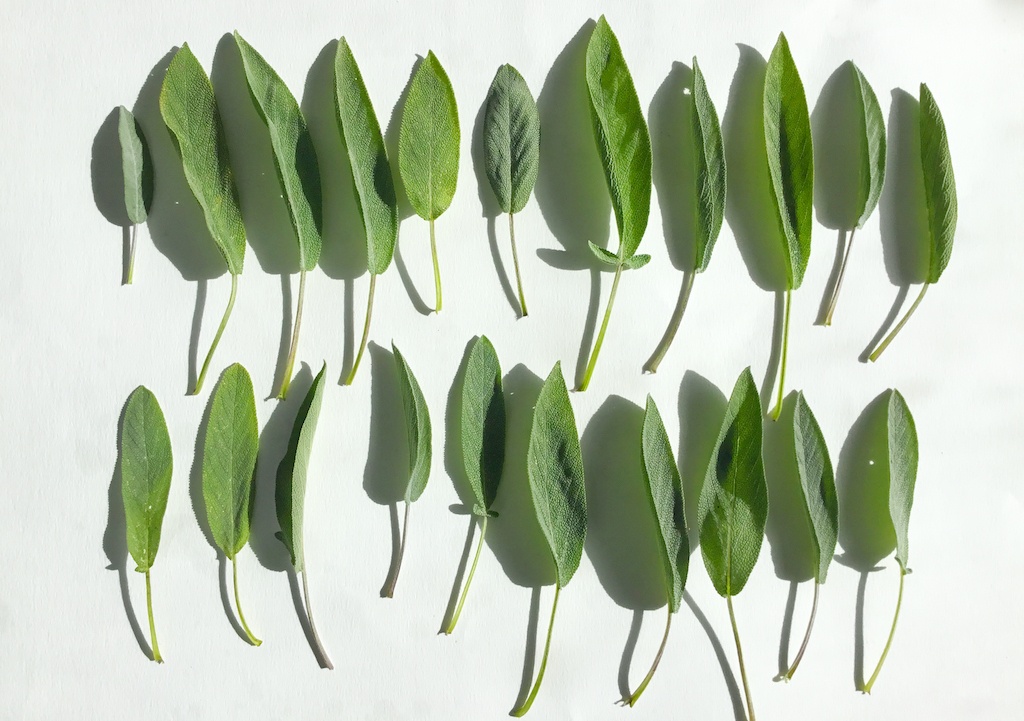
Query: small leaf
[428,144]
[555,471]
[817,481]
[229,459]
[710,171]
[417,424]
[872,148]
[511,139]
[610,259]
[294,155]
[787,133]
[483,424]
[291,473]
[146,466]
[189,110]
[733,505]
[939,185]
[133,163]
[902,442]
[371,172]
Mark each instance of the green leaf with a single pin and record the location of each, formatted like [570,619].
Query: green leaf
[665,492]
[132,164]
[146,465]
[872,147]
[818,483]
[733,505]
[371,172]
[189,110]
[229,459]
[709,159]
[787,134]
[902,441]
[511,139]
[483,424]
[428,143]
[939,185]
[417,424]
[291,473]
[621,134]
[555,470]
[609,258]
[294,154]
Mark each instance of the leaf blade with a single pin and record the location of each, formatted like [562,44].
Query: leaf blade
[483,423]
[939,184]
[417,423]
[710,171]
[818,485]
[511,139]
[132,165]
[873,147]
[901,438]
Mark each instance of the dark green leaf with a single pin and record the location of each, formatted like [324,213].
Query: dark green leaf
[511,139]
[132,164]
[902,441]
[710,171]
[818,484]
[417,424]
[872,148]
[483,423]
[939,185]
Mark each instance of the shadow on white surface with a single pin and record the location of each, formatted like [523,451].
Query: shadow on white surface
[701,411]
[723,660]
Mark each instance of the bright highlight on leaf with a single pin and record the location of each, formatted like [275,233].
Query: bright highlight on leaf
[134,166]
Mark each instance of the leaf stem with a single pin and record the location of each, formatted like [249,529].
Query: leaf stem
[604,328]
[286,379]
[807,636]
[152,626]
[785,352]
[131,255]
[839,281]
[521,710]
[437,270]
[216,338]
[657,659]
[389,588]
[312,626]
[515,262]
[892,632]
[238,604]
[469,579]
[673,324]
[739,655]
[899,326]
[366,332]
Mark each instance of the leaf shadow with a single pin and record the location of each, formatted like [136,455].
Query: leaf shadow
[771,370]
[194,333]
[894,311]
[787,628]
[300,612]
[831,285]
[702,408]
[723,660]
[836,132]
[530,650]
[626,660]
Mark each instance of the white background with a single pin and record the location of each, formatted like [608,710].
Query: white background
[75,342]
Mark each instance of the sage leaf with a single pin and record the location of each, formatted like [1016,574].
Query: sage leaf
[624,145]
[134,167]
[189,110]
[371,175]
[229,459]
[146,467]
[610,259]
[428,148]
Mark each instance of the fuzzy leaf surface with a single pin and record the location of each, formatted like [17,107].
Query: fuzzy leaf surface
[417,424]
[939,185]
[511,139]
[872,147]
[903,450]
[818,483]
[483,423]
[133,163]
[709,159]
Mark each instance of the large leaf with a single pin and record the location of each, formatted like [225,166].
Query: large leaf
[939,185]
[622,137]
[872,147]
[733,505]
[371,172]
[665,492]
[293,150]
[482,417]
[189,110]
[417,424]
[787,134]
[146,465]
[902,441]
[229,459]
[818,483]
[709,160]
[511,139]
[555,470]
[133,163]
[291,473]
[428,144]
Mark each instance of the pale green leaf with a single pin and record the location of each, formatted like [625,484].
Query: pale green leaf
[818,483]
[901,437]
[872,147]
[939,185]
[133,163]
[511,139]
[482,417]
[709,159]
[417,424]
[611,260]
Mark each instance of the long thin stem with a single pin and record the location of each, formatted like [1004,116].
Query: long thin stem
[286,379]
[312,625]
[469,579]
[521,710]
[673,324]
[366,332]
[785,351]
[437,270]
[839,280]
[892,632]
[739,655]
[216,338]
[389,588]
[515,262]
[238,604]
[131,255]
[152,626]
[657,659]
[807,636]
[604,328]
[899,326]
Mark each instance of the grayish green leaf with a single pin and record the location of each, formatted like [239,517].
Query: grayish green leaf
[818,483]
[709,158]
[417,424]
[872,147]
[132,164]
[511,139]
[610,259]
[939,185]
[902,441]
[483,423]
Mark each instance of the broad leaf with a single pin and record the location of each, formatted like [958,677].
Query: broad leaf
[610,259]
[417,424]
[133,164]
[902,442]
[555,470]
[294,155]
[511,139]
[428,144]
[818,483]
[189,110]
[733,505]
[709,160]
[482,417]
[146,466]
[939,185]
[872,147]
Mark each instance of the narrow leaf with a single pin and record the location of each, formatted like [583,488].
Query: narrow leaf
[511,139]
[872,147]
[939,185]
[417,424]
[483,423]
[817,481]
[709,159]
[610,259]
[133,164]
[902,442]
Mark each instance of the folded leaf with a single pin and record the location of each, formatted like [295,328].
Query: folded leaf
[872,147]
[902,442]
[817,481]
[483,423]
[511,139]
[939,185]
[417,424]
[132,164]
[709,159]
[610,259]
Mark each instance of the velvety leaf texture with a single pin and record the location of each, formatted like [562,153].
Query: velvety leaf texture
[428,143]
[939,185]
[511,139]
[872,147]
[787,134]
[609,258]
[555,470]
[483,423]
[132,165]
[417,424]
[622,137]
[371,172]
[902,439]
[189,110]
[229,459]
[294,154]
[665,492]
[146,465]
[709,160]
[818,483]
[291,474]
[733,505]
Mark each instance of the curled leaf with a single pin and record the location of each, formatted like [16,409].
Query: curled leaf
[872,147]
[939,185]
[817,482]
[133,165]
[417,424]
[709,159]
